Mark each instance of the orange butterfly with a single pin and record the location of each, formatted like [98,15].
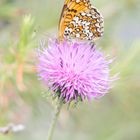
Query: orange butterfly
[79,19]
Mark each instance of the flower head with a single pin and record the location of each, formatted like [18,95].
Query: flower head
[74,70]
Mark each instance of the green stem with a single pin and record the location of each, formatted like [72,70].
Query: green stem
[55,117]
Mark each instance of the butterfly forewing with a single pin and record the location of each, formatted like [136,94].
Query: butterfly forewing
[80,20]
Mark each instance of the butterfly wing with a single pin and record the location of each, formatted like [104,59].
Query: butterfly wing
[70,9]
[87,25]
[79,19]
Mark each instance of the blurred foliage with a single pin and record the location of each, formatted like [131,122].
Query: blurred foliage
[115,117]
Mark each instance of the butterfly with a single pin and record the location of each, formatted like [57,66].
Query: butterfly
[80,20]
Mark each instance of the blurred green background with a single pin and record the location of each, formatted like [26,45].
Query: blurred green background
[114,117]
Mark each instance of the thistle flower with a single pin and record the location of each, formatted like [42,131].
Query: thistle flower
[74,70]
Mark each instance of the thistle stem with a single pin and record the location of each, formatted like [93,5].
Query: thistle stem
[55,117]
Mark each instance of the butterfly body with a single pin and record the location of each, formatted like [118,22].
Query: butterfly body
[79,19]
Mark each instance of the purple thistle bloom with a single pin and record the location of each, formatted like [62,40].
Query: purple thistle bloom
[74,70]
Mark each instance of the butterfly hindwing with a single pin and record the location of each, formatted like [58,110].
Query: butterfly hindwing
[86,25]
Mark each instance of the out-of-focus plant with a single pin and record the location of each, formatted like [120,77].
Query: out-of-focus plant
[14,62]
[16,54]
[27,35]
